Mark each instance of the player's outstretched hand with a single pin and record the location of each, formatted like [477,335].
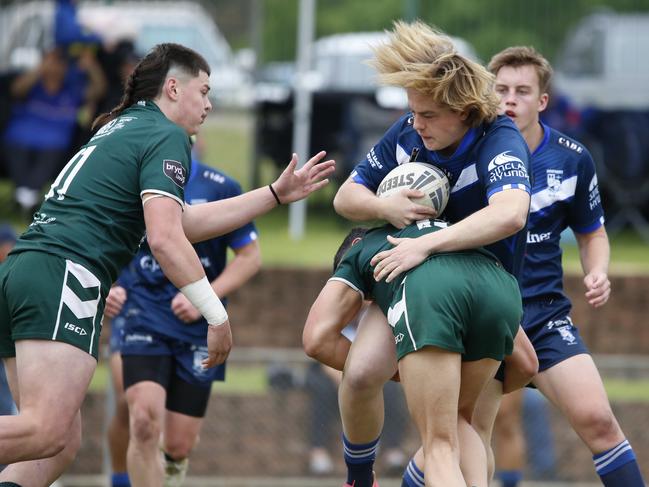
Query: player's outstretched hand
[400,210]
[293,185]
[406,254]
[115,300]
[219,344]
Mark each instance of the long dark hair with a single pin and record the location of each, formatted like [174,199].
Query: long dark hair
[148,76]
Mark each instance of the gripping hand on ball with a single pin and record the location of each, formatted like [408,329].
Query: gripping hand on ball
[400,211]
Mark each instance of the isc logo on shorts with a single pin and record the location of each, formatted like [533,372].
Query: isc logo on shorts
[76,329]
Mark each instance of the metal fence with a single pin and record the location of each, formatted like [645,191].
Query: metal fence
[261,425]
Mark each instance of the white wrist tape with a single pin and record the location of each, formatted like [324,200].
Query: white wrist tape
[203,297]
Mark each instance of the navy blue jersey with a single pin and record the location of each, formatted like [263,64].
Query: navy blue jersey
[490,158]
[150,292]
[564,194]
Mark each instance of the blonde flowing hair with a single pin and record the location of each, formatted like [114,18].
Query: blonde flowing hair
[421,58]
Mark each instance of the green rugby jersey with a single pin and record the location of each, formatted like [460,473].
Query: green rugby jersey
[93,211]
[355,269]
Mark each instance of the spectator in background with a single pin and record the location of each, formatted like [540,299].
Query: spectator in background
[117,61]
[7,240]
[67,29]
[562,115]
[47,103]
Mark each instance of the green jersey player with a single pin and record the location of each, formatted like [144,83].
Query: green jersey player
[128,179]
[455,314]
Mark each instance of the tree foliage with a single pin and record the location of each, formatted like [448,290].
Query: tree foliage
[488,25]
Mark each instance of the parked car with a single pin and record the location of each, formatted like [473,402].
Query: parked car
[602,63]
[26,29]
[602,69]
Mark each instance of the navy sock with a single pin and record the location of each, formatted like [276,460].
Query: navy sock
[120,479]
[510,478]
[618,467]
[413,477]
[360,462]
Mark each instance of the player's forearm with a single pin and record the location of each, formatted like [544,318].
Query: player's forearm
[245,264]
[322,339]
[497,221]
[594,251]
[209,220]
[357,203]
[332,352]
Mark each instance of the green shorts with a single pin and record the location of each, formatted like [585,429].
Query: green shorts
[463,302]
[47,297]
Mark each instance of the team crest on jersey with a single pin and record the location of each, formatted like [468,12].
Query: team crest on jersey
[175,171]
[564,327]
[554,177]
[200,354]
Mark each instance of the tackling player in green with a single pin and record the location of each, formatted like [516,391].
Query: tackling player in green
[455,314]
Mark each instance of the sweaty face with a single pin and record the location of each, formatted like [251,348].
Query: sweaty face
[440,128]
[520,95]
[193,101]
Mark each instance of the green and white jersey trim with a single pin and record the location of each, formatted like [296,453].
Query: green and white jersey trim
[350,284]
[163,193]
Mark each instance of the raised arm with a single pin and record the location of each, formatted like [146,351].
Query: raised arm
[209,220]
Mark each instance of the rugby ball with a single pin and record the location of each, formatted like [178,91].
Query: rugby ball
[418,175]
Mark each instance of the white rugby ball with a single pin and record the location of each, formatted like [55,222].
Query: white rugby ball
[418,175]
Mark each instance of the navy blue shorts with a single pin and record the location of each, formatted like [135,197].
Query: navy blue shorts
[140,340]
[548,326]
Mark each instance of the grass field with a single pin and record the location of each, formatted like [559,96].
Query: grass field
[252,380]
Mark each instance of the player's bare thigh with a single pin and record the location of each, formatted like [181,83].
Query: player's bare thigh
[566,384]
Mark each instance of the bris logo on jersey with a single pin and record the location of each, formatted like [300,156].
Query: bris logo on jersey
[175,171]
[505,165]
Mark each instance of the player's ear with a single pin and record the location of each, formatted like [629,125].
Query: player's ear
[171,88]
[356,240]
[543,101]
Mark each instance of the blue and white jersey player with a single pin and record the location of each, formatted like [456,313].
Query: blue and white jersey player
[161,337]
[564,194]
[489,158]
[454,124]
